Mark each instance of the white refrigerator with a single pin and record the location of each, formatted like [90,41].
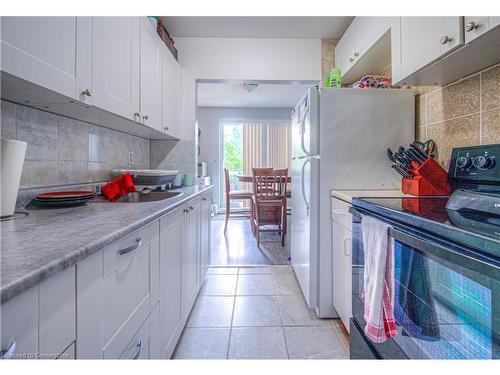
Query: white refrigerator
[339,142]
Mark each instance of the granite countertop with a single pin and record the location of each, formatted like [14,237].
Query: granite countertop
[48,241]
[348,195]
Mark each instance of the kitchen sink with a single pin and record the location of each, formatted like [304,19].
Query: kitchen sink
[140,197]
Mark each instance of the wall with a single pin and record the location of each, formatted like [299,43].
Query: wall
[327,57]
[208,123]
[241,59]
[65,151]
[464,113]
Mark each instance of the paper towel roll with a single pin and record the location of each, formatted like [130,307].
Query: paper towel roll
[12,160]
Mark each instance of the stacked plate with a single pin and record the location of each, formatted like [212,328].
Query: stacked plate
[64,198]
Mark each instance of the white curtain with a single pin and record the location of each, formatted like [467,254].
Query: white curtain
[278,144]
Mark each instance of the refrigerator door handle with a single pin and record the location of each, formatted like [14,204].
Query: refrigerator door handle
[302,131]
[303,185]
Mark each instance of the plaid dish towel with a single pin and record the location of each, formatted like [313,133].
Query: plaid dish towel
[378,291]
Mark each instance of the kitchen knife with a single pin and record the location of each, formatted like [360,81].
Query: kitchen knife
[390,155]
[415,156]
[419,152]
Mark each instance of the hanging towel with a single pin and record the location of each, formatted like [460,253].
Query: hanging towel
[378,291]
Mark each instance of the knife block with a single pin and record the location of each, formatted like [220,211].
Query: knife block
[429,179]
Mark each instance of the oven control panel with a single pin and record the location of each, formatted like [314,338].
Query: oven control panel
[476,164]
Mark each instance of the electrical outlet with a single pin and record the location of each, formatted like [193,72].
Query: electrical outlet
[130,157]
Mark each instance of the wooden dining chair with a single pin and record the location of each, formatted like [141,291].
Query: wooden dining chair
[269,201]
[232,195]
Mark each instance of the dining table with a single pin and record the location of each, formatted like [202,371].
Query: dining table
[247,178]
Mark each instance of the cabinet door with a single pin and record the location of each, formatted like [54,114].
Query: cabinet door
[347,258]
[19,325]
[476,25]
[43,50]
[338,267]
[368,31]
[171,253]
[150,76]
[115,64]
[205,235]
[171,93]
[345,49]
[425,39]
[191,258]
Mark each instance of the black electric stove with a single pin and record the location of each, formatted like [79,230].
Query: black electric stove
[447,265]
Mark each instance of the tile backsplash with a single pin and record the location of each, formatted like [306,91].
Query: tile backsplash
[64,151]
[169,154]
[463,113]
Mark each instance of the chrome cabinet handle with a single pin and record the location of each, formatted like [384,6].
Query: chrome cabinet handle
[139,350]
[351,59]
[356,54]
[7,353]
[145,117]
[137,115]
[135,246]
[445,39]
[165,128]
[191,208]
[186,211]
[203,199]
[471,26]
[87,92]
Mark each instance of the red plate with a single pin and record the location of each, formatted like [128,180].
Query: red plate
[65,194]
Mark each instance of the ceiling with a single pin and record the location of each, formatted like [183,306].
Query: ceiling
[264,96]
[257,27]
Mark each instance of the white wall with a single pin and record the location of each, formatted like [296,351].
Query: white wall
[208,123]
[242,59]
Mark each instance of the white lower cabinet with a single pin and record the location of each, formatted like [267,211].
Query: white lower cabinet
[342,260]
[171,250]
[129,300]
[40,322]
[205,217]
[191,275]
[114,289]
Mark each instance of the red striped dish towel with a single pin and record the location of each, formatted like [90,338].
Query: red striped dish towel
[378,291]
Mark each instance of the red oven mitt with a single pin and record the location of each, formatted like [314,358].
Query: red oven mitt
[119,187]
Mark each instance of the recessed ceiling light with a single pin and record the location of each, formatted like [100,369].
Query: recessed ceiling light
[248,87]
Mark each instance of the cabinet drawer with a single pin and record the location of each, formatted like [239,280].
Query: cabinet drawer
[120,341]
[139,347]
[340,213]
[124,289]
[120,251]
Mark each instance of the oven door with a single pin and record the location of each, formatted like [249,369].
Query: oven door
[446,297]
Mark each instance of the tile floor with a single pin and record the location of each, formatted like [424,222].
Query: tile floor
[238,246]
[257,313]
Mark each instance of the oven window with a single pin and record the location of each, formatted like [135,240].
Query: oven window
[443,311]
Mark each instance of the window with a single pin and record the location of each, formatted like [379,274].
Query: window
[253,144]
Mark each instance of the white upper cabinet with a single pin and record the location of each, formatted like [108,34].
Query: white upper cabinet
[345,49]
[368,31]
[477,25]
[115,65]
[171,79]
[46,50]
[150,76]
[355,54]
[425,39]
